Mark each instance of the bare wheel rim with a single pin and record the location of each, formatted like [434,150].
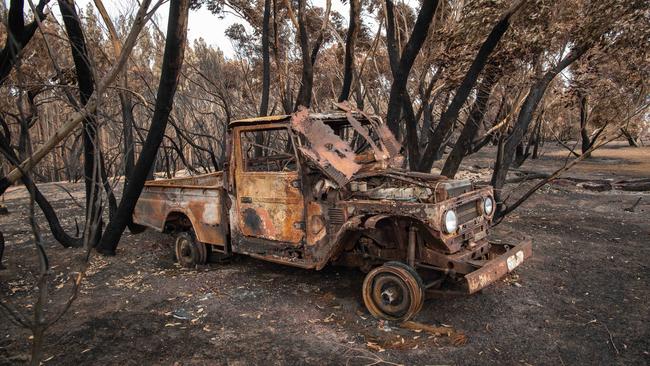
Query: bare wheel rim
[391,295]
[185,250]
[393,292]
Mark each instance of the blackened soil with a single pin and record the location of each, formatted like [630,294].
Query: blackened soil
[582,299]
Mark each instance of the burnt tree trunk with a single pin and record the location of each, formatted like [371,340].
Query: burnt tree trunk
[350,42]
[631,140]
[2,249]
[171,68]
[520,155]
[307,77]
[266,61]
[435,145]
[537,136]
[127,133]
[412,141]
[125,98]
[524,118]
[585,140]
[86,87]
[406,61]
[309,54]
[266,72]
[472,124]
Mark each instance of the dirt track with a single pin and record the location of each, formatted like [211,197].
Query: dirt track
[582,299]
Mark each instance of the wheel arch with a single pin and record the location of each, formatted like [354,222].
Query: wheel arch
[177,219]
[205,233]
[350,232]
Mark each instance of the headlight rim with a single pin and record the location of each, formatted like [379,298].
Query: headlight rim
[445,228]
[484,205]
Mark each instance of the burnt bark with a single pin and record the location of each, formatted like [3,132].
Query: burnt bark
[520,155]
[18,34]
[171,68]
[472,124]
[412,141]
[2,249]
[266,61]
[350,43]
[448,118]
[537,136]
[309,54]
[409,53]
[86,83]
[524,118]
[125,98]
[631,140]
[127,133]
[585,140]
[307,78]
[266,72]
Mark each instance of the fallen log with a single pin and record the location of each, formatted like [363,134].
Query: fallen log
[598,185]
[633,186]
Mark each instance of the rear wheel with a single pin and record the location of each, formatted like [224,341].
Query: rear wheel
[393,291]
[190,252]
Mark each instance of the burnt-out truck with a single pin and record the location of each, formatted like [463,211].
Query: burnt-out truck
[312,189]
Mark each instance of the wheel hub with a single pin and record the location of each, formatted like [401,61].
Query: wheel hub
[389,295]
[186,250]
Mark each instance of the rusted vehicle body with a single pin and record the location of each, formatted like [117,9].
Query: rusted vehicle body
[313,189]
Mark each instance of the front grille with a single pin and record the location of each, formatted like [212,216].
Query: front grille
[457,191]
[336,216]
[467,212]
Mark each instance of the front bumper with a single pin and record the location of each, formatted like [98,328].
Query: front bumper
[505,258]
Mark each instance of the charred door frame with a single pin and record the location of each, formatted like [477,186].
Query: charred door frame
[262,245]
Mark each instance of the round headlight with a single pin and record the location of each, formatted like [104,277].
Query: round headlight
[488,205]
[451,222]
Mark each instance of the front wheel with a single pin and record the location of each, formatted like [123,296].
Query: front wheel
[393,291]
[190,252]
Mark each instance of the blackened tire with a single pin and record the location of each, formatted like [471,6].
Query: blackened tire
[189,252]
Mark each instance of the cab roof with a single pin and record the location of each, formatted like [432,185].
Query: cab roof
[259,120]
[329,117]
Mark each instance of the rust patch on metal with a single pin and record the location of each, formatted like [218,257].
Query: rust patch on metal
[388,140]
[316,223]
[252,221]
[496,268]
[326,149]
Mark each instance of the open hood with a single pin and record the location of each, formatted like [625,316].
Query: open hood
[342,144]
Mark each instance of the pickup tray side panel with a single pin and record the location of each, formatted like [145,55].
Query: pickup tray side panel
[202,205]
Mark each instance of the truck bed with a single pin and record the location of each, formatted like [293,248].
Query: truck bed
[199,198]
